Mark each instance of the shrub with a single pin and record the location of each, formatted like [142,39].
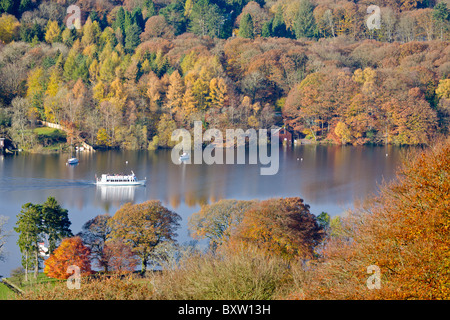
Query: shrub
[246,275]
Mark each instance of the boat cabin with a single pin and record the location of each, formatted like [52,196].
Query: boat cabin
[118,178]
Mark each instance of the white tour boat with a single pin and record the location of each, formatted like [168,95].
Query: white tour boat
[119,180]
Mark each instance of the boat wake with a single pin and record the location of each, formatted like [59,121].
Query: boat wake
[14,183]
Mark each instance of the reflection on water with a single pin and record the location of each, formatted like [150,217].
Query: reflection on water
[325,175]
[329,178]
[116,194]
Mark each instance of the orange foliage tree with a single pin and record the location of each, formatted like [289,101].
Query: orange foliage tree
[404,232]
[144,226]
[120,257]
[71,251]
[280,226]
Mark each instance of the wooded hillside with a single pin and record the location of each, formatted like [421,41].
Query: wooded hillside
[136,70]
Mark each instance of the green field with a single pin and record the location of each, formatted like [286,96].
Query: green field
[50,139]
[45,130]
[5,292]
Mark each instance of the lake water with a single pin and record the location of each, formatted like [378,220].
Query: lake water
[329,178]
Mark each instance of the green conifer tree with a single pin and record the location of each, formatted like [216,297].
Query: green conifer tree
[305,24]
[246,27]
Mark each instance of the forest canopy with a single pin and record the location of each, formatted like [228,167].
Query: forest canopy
[138,69]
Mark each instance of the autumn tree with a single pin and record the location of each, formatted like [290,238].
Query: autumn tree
[308,109]
[119,256]
[175,93]
[443,89]
[91,33]
[71,252]
[217,221]
[51,105]
[217,93]
[343,132]
[144,226]
[165,127]
[53,33]
[411,118]
[280,226]
[189,105]
[9,27]
[403,231]
[94,234]
[35,90]
[157,26]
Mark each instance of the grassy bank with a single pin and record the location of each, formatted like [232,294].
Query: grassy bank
[240,276]
[5,292]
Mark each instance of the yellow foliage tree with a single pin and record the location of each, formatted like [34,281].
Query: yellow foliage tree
[103,138]
[53,83]
[217,93]
[53,32]
[9,26]
[343,132]
[175,93]
[443,89]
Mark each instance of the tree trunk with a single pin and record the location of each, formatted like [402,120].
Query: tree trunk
[144,266]
[26,265]
[36,264]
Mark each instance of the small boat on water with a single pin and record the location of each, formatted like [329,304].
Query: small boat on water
[184,156]
[72,161]
[119,180]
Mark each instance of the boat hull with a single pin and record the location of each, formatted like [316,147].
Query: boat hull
[72,161]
